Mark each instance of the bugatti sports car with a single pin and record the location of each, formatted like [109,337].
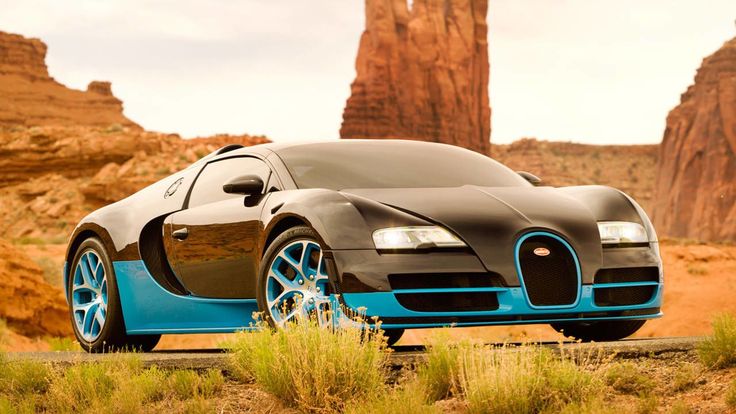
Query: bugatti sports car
[413,234]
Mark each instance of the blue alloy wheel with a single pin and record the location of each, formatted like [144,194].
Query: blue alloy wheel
[297,284]
[89,296]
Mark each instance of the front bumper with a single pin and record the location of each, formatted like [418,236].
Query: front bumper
[364,283]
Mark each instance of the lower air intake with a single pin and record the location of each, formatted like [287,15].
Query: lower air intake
[448,302]
[548,271]
[624,296]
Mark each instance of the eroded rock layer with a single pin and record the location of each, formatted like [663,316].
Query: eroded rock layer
[695,194]
[29,304]
[422,74]
[29,96]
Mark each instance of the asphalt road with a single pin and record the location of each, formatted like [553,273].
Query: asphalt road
[401,355]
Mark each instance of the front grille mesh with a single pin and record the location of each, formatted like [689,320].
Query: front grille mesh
[624,296]
[550,280]
[627,275]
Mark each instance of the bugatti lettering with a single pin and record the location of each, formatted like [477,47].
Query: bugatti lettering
[279,229]
[541,251]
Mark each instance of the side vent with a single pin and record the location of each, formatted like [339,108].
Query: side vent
[151,249]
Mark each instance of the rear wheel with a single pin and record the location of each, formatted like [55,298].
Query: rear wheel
[94,303]
[598,331]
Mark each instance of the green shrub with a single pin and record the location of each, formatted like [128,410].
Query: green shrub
[405,399]
[697,270]
[439,376]
[312,368]
[29,240]
[528,379]
[211,383]
[120,385]
[719,350]
[51,270]
[647,404]
[184,384]
[627,379]
[731,395]
[680,407]
[64,343]
[685,377]
[81,387]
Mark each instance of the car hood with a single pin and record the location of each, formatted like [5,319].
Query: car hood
[491,219]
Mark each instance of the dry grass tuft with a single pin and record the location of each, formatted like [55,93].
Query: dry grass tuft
[120,385]
[313,368]
[731,395]
[439,377]
[528,379]
[626,378]
[719,350]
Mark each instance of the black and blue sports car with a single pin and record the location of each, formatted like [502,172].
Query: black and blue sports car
[416,234]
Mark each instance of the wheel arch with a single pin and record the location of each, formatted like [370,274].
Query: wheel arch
[279,226]
[78,237]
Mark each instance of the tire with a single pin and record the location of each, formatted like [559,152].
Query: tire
[92,286]
[392,335]
[598,331]
[299,291]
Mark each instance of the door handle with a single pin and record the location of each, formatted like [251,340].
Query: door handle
[181,234]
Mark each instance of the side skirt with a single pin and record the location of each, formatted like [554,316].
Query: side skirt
[148,308]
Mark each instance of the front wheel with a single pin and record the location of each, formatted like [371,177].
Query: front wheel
[94,303]
[392,335]
[598,331]
[292,279]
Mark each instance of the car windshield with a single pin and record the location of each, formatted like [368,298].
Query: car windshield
[392,164]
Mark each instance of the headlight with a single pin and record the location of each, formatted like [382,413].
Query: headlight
[415,237]
[616,232]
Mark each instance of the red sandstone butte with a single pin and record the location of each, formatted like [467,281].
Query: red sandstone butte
[695,194]
[29,96]
[422,74]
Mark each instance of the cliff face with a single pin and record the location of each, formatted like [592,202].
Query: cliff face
[422,74]
[695,193]
[29,304]
[30,97]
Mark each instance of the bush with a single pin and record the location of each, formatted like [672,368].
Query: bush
[312,368]
[528,379]
[719,350]
[439,376]
[64,343]
[685,377]
[406,399]
[626,378]
[120,385]
[23,378]
[731,395]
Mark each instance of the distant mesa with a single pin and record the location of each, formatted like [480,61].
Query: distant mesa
[29,96]
[422,74]
[695,194]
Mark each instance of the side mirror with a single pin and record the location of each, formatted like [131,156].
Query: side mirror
[533,179]
[245,185]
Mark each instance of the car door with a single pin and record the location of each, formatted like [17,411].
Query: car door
[214,241]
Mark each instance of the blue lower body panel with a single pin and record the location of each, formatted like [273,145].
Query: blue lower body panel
[513,308]
[148,308]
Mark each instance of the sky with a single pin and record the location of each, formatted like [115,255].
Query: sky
[591,71]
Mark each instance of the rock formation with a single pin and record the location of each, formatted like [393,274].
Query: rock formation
[422,74]
[29,304]
[695,193]
[30,97]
